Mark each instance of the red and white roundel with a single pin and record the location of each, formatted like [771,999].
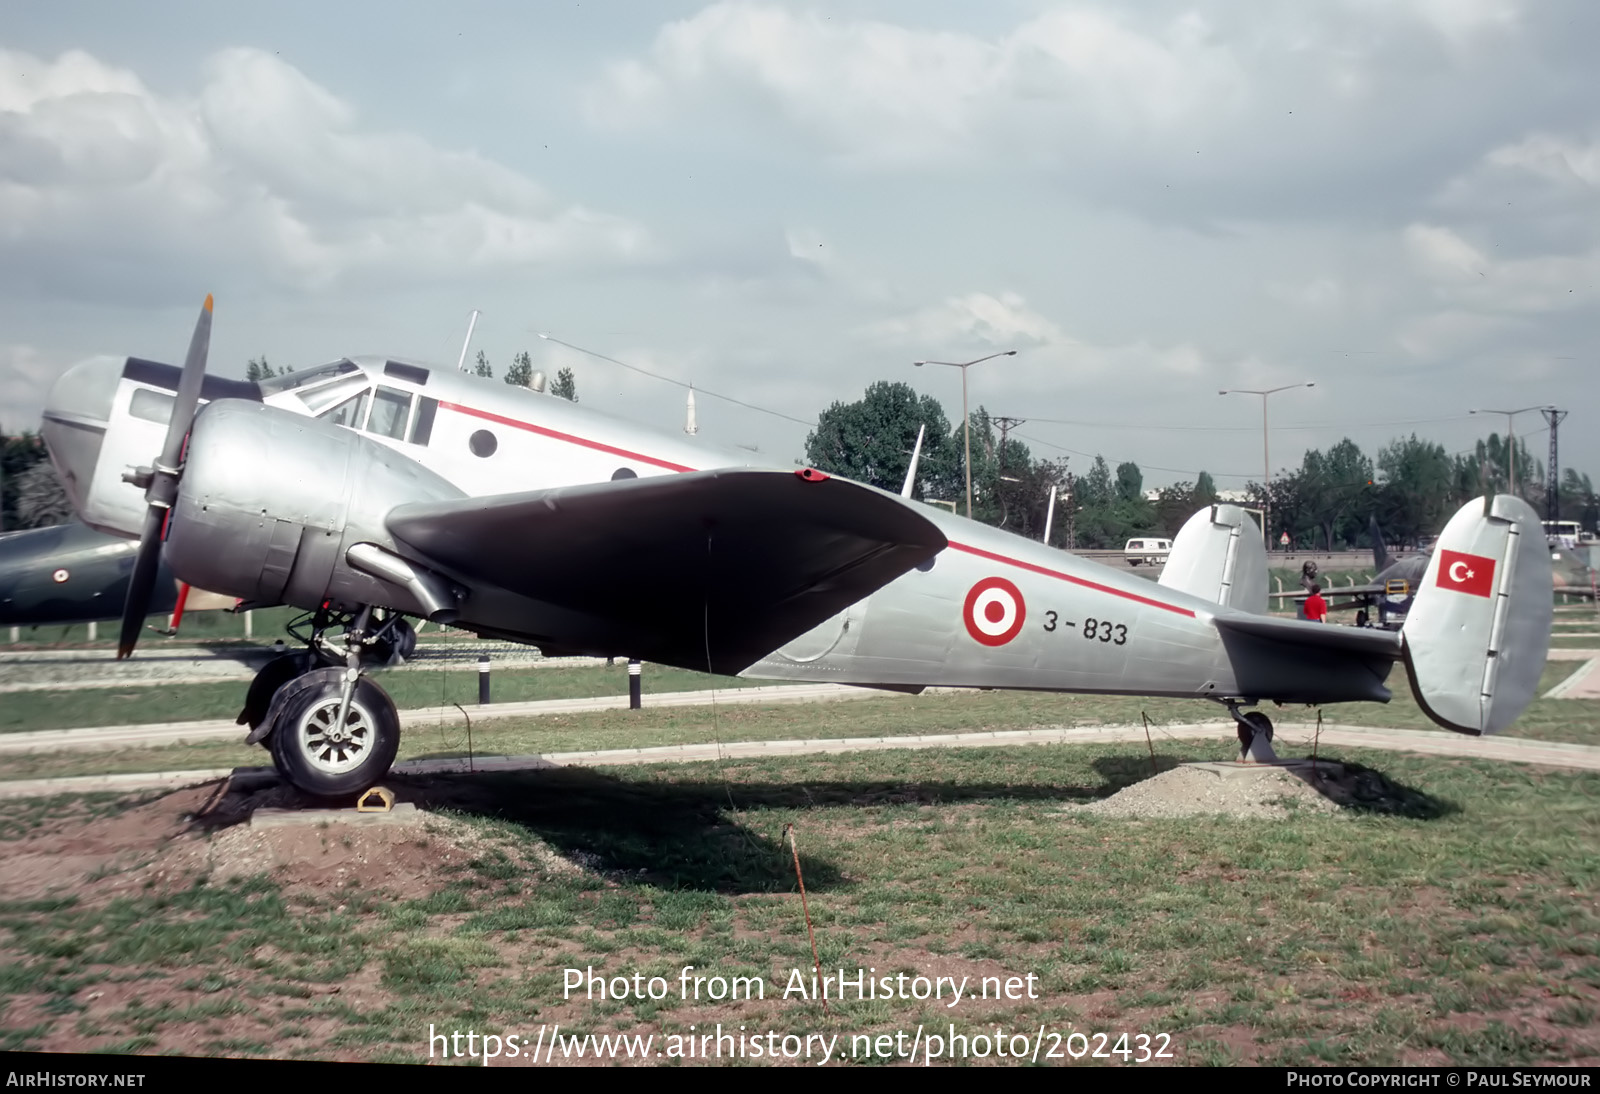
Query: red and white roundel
[994,611]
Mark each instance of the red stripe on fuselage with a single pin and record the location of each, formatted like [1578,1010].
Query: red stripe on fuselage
[1096,586]
[568,437]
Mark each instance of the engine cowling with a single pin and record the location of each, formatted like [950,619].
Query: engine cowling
[271,504]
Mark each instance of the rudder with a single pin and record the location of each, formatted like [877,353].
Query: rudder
[1218,554]
[1477,634]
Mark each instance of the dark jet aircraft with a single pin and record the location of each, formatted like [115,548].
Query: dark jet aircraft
[71,574]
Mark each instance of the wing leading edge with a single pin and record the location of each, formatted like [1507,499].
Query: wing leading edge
[704,569]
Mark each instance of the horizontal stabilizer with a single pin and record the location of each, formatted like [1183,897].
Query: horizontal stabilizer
[1219,557]
[1320,636]
[709,567]
[1477,635]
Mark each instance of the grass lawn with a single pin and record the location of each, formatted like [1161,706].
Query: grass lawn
[1573,721]
[419,685]
[1461,929]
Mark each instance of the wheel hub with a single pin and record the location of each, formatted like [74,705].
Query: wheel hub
[331,747]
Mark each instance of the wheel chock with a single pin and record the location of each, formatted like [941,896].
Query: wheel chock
[384,804]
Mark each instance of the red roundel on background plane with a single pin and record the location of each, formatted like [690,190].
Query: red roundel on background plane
[994,611]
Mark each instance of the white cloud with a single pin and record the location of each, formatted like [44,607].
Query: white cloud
[1444,255]
[1321,294]
[978,318]
[1553,157]
[882,94]
[1463,274]
[263,171]
[25,379]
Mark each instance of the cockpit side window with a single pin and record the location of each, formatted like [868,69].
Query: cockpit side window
[352,412]
[290,380]
[391,410]
[318,399]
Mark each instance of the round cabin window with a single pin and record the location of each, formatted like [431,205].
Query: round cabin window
[624,473]
[483,443]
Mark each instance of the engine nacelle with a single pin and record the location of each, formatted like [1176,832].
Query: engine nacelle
[271,504]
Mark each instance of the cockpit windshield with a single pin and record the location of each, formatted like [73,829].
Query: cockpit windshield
[288,381]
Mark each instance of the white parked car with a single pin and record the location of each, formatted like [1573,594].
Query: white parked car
[1153,552]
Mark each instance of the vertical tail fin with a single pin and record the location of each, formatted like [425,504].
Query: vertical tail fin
[1477,635]
[1215,556]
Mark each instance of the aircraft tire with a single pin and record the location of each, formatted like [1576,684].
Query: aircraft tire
[1262,724]
[316,760]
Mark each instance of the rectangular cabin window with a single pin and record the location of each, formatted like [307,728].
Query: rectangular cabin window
[151,406]
[391,412]
[422,423]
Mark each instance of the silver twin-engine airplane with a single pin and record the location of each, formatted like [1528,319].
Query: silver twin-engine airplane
[369,490]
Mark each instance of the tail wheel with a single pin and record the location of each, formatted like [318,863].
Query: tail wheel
[325,757]
[1258,723]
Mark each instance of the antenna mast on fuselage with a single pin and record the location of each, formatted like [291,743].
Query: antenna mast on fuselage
[461,362]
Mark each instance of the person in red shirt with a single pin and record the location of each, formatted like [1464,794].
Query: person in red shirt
[1316,607]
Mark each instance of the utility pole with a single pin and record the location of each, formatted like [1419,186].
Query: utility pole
[1006,426]
[1552,498]
[1072,515]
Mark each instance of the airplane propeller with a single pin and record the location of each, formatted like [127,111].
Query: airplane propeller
[161,484]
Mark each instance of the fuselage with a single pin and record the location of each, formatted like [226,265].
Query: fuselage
[992,610]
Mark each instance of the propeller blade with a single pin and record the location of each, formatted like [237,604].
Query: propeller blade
[163,488]
[141,582]
[189,384]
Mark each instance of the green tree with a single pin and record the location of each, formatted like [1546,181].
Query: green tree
[1175,504]
[1339,492]
[1418,482]
[258,369]
[565,386]
[871,440]
[1205,491]
[18,455]
[1578,501]
[41,500]
[520,374]
[1130,481]
[482,367]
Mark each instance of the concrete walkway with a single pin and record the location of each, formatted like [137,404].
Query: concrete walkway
[71,670]
[168,733]
[1289,738]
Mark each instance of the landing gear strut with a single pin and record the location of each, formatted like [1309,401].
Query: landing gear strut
[1255,735]
[332,731]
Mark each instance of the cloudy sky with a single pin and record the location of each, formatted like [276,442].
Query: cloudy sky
[1398,200]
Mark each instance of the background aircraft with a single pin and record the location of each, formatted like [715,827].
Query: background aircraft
[71,573]
[1389,594]
[1392,590]
[369,490]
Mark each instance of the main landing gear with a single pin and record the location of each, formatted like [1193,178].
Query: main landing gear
[331,730]
[1255,734]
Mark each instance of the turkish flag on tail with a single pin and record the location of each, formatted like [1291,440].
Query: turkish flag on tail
[1466,573]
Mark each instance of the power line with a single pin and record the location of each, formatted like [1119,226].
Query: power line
[1143,426]
[681,383]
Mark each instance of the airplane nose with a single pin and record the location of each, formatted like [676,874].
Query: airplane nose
[75,418]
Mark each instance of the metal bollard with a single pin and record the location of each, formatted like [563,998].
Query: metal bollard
[483,680]
[635,680]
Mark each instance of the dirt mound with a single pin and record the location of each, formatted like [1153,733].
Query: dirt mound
[1188,790]
[99,852]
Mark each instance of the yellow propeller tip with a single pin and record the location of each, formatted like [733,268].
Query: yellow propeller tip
[208,301]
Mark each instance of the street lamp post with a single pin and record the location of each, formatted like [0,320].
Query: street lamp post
[1511,433]
[966,421]
[1266,460]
